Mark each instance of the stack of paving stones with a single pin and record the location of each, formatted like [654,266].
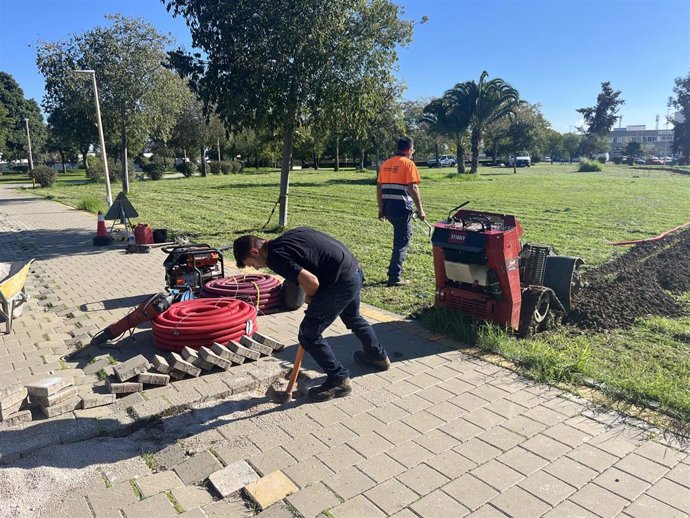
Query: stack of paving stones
[12,396]
[54,395]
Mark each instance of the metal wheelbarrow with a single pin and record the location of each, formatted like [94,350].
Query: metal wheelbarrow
[13,294]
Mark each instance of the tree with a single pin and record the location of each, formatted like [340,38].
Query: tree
[262,68]
[16,108]
[487,102]
[681,130]
[425,142]
[190,132]
[126,57]
[450,116]
[600,119]
[633,149]
[571,143]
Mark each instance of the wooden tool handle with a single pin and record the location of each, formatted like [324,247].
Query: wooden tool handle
[295,369]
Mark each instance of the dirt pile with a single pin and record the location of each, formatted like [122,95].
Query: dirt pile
[635,284]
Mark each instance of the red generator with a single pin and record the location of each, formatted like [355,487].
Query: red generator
[483,271]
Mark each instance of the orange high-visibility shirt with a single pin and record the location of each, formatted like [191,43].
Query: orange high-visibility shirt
[395,175]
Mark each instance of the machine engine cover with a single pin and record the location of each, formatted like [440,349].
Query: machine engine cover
[475,274]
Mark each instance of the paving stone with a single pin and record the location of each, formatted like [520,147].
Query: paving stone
[423,479]
[170,456]
[522,460]
[226,353]
[58,397]
[641,467]
[250,343]
[209,356]
[197,468]
[61,408]
[571,472]
[151,378]
[547,487]
[8,388]
[381,467]
[191,497]
[307,472]
[391,496]
[158,505]
[660,454]
[228,508]
[270,342]
[312,500]
[592,457]
[22,416]
[232,478]
[158,483]
[107,501]
[130,368]
[271,460]
[357,507]
[190,355]
[48,386]
[349,483]
[160,364]
[269,489]
[10,403]
[515,501]
[96,400]
[74,507]
[177,362]
[97,364]
[437,504]
[647,507]
[127,387]
[243,351]
[672,494]
[598,500]
[470,491]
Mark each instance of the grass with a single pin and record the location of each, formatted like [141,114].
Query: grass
[72,177]
[577,213]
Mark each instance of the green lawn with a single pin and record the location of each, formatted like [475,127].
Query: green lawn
[577,213]
[73,176]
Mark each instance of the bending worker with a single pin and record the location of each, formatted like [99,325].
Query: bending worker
[396,191]
[332,279]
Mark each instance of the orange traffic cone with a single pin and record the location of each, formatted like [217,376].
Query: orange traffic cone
[102,238]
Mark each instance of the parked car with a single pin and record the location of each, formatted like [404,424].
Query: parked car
[640,161]
[522,160]
[443,161]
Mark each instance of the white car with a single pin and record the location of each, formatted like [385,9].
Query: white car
[443,161]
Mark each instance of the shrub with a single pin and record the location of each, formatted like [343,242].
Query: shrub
[589,166]
[617,160]
[215,167]
[154,170]
[188,169]
[226,167]
[44,175]
[237,166]
[20,169]
[96,169]
[89,204]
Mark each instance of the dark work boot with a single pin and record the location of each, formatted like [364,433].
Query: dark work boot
[330,389]
[363,358]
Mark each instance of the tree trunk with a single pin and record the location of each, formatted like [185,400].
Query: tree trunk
[315,160]
[476,137]
[337,154]
[288,139]
[84,152]
[256,159]
[514,161]
[203,162]
[64,167]
[377,152]
[460,154]
[220,158]
[361,160]
[123,157]
[184,153]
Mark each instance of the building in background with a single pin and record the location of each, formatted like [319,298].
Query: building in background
[654,142]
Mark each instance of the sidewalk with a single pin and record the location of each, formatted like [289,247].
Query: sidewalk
[440,434]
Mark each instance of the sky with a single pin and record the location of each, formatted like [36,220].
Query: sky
[554,52]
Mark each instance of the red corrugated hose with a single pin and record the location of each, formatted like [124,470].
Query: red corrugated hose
[264,291]
[200,322]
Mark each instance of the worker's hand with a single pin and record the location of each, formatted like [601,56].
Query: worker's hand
[308,299]
[421,215]
[382,217]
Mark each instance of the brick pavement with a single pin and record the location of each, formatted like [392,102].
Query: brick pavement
[441,433]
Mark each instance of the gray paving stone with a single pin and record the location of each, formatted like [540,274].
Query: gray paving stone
[357,507]
[647,507]
[153,484]
[191,497]
[470,491]
[157,505]
[196,469]
[599,500]
[274,344]
[312,500]
[437,504]
[255,345]
[391,496]
[307,472]
[349,483]
[423,479]
[228,508]
[641,467]
[22,416]
[190,355]
[73,507]
[130,368]
[226,353]
[170,456]
[672,494]
[240,350]
[232,478]
[10,403]
[49,385]
[547,487]
[271,460]
[209,356]
[127,387]
[106,501]
[177,362]
[571,472]
[58,397]
[151,378]
[96,400]
[61,408]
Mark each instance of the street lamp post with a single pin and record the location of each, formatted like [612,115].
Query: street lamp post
[31,160]
[108,195]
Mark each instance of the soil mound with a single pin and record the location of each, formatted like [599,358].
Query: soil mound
[635,284]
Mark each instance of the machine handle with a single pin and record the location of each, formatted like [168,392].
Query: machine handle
[456,208]
[170,249]
[428,231]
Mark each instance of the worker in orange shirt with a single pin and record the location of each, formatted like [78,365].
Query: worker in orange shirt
[398,195]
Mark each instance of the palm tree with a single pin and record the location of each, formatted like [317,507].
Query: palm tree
[488,101]
[446,116]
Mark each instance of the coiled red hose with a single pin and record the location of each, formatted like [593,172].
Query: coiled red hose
[200,322]
[263,291]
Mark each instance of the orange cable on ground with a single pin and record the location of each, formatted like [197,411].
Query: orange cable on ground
[655,238]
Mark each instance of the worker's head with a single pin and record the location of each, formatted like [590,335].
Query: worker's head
[250,251]
[405,146]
